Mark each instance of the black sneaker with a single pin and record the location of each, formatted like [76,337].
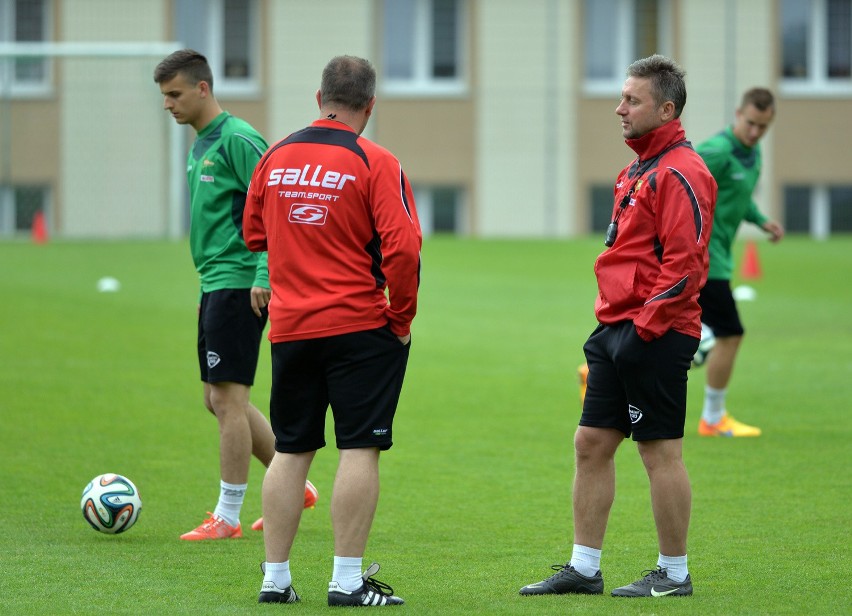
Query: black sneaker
[566,580]
[270,593]
[372,593]
[656,583]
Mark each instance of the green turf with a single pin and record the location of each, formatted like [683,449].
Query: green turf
[476,491]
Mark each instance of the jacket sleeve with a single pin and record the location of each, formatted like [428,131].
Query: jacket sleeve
[683,214]
[754,215]
[254,231]
[244,152]
[261,274]
[396,222]
[245,149]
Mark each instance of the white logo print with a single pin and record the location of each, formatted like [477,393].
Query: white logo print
[635,414]
[294,177]
[308,214]
[213,359]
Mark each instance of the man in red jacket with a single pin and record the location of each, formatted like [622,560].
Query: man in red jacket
[336,215]
[649,279]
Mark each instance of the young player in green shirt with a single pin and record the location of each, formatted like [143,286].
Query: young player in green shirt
[734,158]
[235,287]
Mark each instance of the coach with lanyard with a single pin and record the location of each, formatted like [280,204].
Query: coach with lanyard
[649,278]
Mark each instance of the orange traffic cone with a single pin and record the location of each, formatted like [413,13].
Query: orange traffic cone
[751,263]
[39,229]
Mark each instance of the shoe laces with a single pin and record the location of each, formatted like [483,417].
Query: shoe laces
[653,575]
[212,522]
[561,569]
[373,584]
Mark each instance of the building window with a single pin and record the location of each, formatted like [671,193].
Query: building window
[797,209]
[19,206]
[24,21]
[616,33]
[818,210]
[422,51]
[816,46]
[225,32]
[440,209]
[602,201]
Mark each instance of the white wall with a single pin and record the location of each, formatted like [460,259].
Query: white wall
[113,132]
[525,108]
[294,30]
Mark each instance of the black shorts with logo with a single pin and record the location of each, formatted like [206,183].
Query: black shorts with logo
[229,334]
[634,386]
[719,309]
[359,374]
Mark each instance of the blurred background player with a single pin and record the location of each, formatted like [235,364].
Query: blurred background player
[337,338]
[734,158]
[234,281]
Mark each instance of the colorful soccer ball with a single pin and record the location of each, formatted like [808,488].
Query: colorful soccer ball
[111,503]
[708,341]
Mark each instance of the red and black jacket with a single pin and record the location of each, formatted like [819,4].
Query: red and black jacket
[653,272]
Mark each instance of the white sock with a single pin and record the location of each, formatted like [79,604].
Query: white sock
[675,567]
[278,574]
[231,497]
[714,404]
[347,573]
[587,561]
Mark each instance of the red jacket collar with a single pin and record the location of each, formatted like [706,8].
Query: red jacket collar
[649,145]
[325,123]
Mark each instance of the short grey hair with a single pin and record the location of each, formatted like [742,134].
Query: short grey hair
[348,81]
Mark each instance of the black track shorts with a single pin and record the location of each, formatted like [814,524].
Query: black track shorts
[719,309]
[634,386]
[359,375]
[229,334]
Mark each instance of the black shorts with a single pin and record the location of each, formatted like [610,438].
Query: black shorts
[229,334]
[634,386]
[359,374]
[719,310]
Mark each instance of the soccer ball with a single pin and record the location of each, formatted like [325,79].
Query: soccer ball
[111,503]
[708,341]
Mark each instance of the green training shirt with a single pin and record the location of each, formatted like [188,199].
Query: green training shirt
[219,168]
[736,169]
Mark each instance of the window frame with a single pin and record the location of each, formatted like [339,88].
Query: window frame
[9,207]
[424,198]
[821,208]
[233,87]
[626,43]
[817,83]
[421,84]
[9,84]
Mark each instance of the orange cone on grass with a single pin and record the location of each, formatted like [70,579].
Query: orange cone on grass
[39,228]
[751,262]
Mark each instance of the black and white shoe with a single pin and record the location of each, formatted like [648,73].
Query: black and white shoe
[270,593]
[566,580]
[373,593]
[656,583]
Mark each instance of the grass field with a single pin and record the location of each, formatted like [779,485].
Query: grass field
[476,491]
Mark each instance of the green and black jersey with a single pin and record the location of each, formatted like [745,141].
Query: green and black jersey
[219,168]
[736,169]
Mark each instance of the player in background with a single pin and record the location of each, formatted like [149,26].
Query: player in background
[337,215]
[234,281]
[734,158]
[649,278]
